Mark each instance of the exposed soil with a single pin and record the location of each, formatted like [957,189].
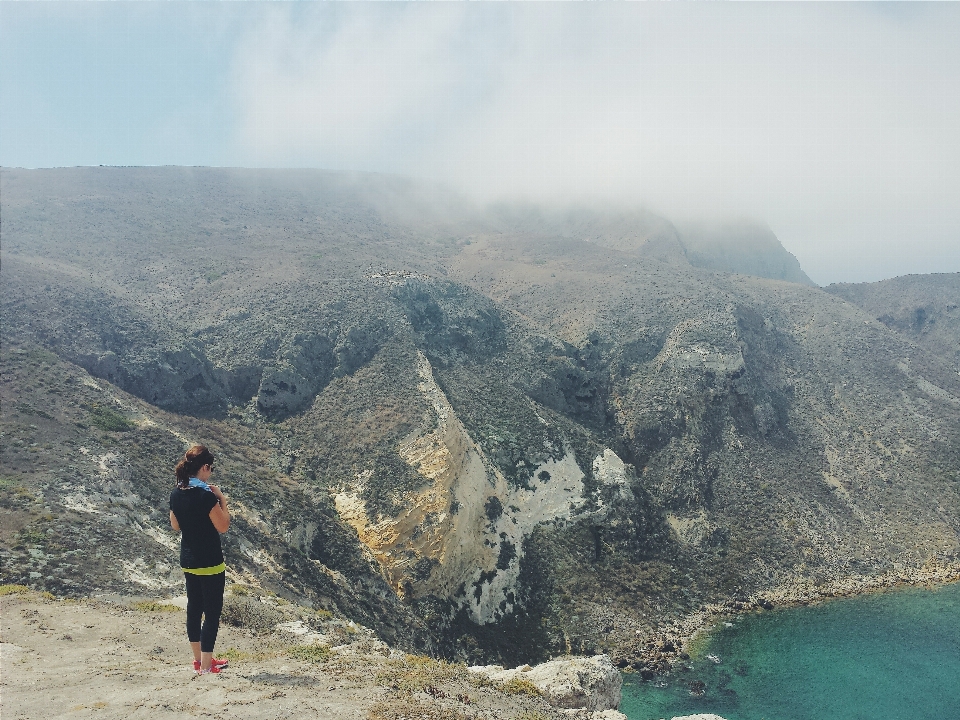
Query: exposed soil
[95,658]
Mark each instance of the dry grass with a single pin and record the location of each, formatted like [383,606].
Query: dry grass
[409,708]
[235,655]
[13,589]
[520,686]
[417,673]
[154,606]
[310,653]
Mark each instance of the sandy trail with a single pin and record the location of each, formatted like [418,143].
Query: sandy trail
[78,660]
[93,659]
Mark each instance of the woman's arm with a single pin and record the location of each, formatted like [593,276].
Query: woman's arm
[173,522]
[219,514]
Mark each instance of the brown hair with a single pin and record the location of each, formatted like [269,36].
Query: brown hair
[194,459]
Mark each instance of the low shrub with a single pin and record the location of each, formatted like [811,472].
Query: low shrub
[310,653]
[416,673]
[520,686]
[13,589]
[249,613]
[110,420]
[154,606]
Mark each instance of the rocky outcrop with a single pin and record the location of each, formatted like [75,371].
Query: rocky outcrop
[111,338]
[460,536]
[590,683]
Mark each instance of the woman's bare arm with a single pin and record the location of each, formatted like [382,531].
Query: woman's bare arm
[173,522]
[219,514]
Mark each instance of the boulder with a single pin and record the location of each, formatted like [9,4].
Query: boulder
[598,715]
[590,683]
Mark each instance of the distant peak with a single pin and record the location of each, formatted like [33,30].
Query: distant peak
[742,246]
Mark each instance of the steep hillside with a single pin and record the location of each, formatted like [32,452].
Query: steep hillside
[508,433]
[86,480]
[923,308]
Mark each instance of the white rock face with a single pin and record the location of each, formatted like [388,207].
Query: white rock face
[599,715]
[302,633]
[696,344]
[473,554]
[590,683]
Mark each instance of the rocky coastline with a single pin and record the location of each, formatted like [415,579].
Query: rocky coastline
[673,643]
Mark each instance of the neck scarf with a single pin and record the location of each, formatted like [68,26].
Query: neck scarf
[197,483]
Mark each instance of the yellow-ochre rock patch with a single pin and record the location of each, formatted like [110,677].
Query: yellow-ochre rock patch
[446,542]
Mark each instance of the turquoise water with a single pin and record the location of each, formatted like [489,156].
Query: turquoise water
[883,656]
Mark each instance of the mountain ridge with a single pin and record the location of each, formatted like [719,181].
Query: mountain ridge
[595,440]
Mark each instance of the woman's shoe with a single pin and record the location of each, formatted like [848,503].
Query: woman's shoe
[215,663]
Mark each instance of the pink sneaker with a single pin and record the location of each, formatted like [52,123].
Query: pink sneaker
[215,664]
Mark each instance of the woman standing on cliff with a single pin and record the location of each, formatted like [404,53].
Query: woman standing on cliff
[199,512]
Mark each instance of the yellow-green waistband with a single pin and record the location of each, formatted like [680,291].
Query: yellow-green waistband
[215,570]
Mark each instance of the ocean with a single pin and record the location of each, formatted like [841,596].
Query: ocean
[892,655]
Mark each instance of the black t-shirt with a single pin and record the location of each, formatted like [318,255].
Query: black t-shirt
[200,542]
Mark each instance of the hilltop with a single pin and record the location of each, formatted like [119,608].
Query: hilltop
[490,434]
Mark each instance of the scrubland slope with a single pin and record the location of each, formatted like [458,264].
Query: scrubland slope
[493,434]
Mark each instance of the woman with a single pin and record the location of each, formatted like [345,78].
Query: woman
[199,512]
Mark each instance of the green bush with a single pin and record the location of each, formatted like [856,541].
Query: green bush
[310,653]
[110,420]
[154,606]
[520,686]
[13,589]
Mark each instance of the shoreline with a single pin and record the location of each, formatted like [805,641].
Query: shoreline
[667,646]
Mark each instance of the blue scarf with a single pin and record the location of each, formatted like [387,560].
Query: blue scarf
[197,483]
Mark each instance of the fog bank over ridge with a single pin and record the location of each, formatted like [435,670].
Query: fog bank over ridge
[832,125]
[836,125]
[495,434]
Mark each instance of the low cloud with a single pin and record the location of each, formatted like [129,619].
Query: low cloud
[836,124]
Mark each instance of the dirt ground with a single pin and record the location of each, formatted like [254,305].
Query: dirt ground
[98,659]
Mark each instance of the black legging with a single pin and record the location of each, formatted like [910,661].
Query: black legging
[204,599]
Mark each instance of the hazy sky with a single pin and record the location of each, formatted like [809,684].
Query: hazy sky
[837,124]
